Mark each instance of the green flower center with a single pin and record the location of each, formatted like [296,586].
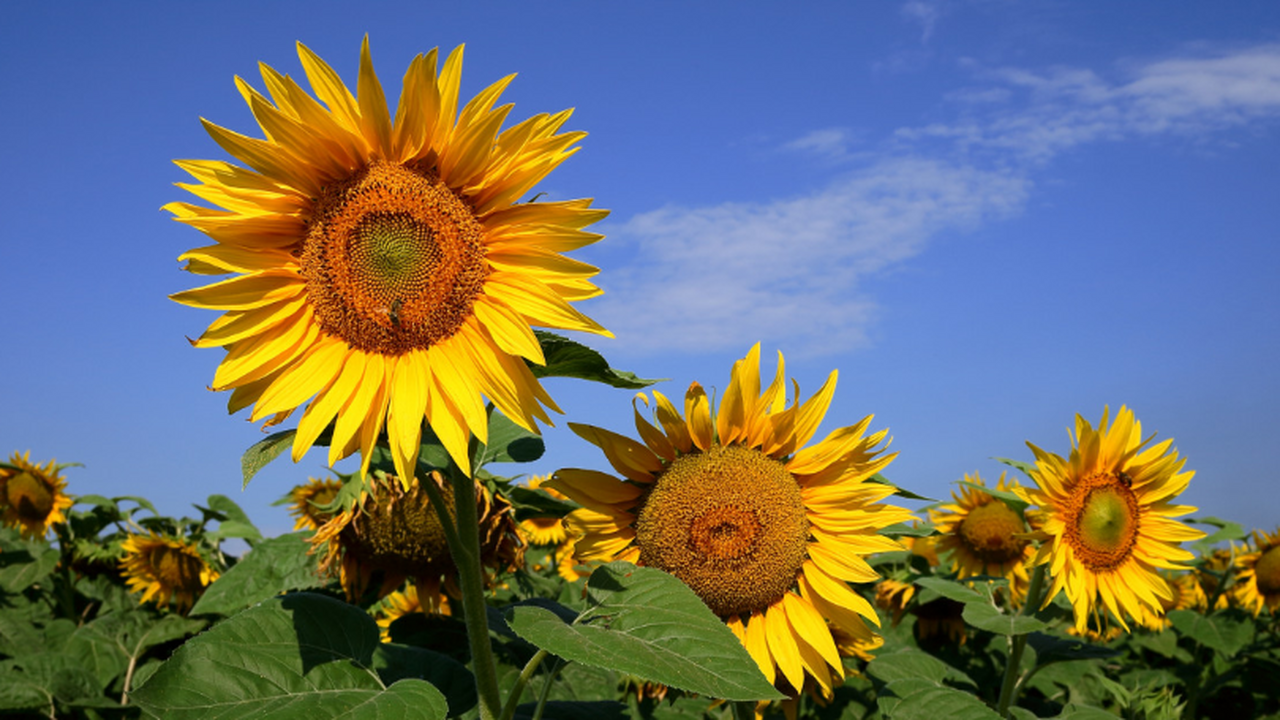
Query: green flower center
[30,496]
[1102,525]
[393,260]
[729,522]
[1267,571]
[987,532]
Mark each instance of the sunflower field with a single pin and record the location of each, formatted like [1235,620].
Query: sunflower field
[391,289]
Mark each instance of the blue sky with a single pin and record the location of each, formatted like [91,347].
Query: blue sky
[990,216]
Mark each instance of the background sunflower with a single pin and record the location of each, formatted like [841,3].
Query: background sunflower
[32,497]
[165,568]
[1258,580]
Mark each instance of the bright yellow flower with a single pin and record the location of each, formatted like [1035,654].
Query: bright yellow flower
[164,568]
[307,500]
[766,531]
[32,497]
[1258,578]
[544,530]
[406,602]
[981,533]
[1187,595]
[385,271]
[397,533]
[1108,519]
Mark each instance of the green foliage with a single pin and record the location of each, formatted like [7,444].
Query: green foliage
[567,358]
[272,567]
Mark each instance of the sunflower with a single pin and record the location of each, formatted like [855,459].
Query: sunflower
[397,533]
[309,498]
[1213,568]
[31,496]
[544,530]
[766,531]
[1108,519]
[164,568]
[406,602]
[983,535]
[384,269]
[1258,581]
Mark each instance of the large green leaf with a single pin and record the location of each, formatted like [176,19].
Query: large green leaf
[303,655]
[508,442]
[394,663]
[1050,648]
[23,563]
[922,700]
[644,622]
[987,617]
[272,567]
[1218,631]
[949,589]
[110,642]
[566,358]
[914,664]
[233,521]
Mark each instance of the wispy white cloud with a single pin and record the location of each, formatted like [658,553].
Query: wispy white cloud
[1026,115]
[925,12]
[722,277]
[794,270]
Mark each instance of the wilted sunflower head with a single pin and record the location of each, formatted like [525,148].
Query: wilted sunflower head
[1109,519]
[385,267]
[983,534]
[32,497]
[309,500]
[1258,579]
[164,568]
[396,532]
[766,531]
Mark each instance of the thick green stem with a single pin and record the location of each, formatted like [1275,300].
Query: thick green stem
[509,710]
[471,579]
[1017,645]
[744,710]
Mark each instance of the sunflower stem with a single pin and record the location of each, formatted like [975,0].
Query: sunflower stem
[466,558]
[744,710]
[1017,645]
[509,710]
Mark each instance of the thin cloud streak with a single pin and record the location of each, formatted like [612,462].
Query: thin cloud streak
[723,277]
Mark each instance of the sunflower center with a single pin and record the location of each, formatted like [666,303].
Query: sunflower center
[1267,571]
[402,534]
[393,260]
[730,523]
[175,568]
[987,531]
[30,496]
[1104,521]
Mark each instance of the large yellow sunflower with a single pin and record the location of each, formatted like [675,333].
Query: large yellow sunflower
[1258,579]
[983,535]
[31,496]
[765,530]
[1108,519]
[384,268]
[397,533]
[164,568]
[308,498]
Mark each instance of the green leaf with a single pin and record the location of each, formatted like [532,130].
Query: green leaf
[529,503]
[237,522]
[1218,631]
[1050,648]
[919,700]
[575,710]
[906,530]
[508,442]
[394,663]
[1024,467]
[949,589]
[566,358]
[912,664]
[1227,530]
[1084,712]
[1010,499]
[263,452]
[303,655]
[646,623]
[989,618]
[272,567]
[878,478]
[24,563]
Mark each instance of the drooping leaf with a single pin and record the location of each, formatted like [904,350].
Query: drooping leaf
[263,452]
[987,617]
[24,563]
[303,655]
[508,442]
[644,622]
[949,589]
[1057,649]
[1219,631]
[272,567]
[1227,530]
[900,492]
[530,503]
[566,358]
[1010,499]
